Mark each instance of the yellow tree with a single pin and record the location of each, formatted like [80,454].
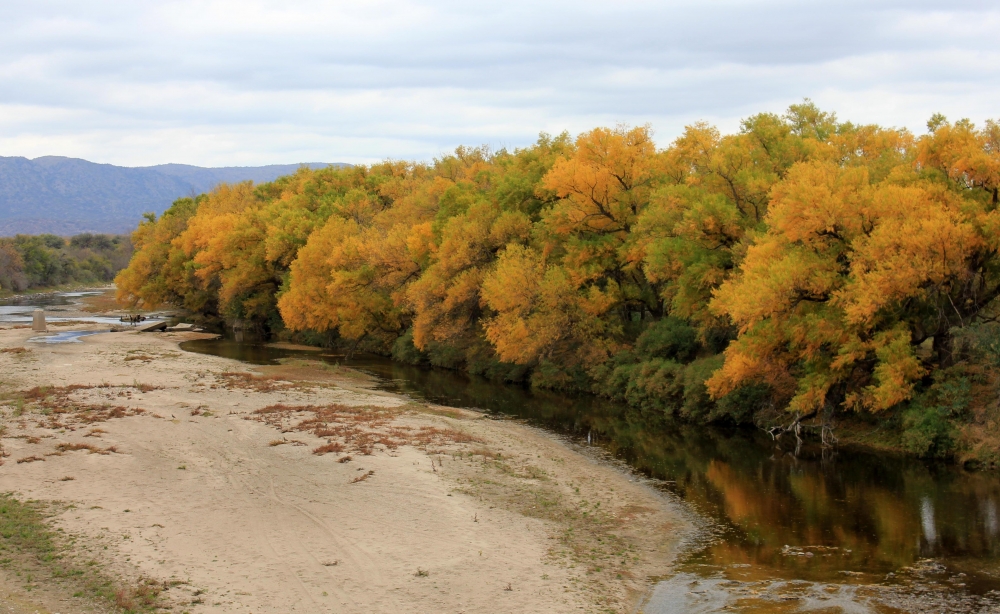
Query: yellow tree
[352,273]
[967,156]
[158,273]
[542,314]
[581,258]
[492,204]
[691,236]
[848,278]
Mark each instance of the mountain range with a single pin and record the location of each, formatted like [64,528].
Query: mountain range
[66,196]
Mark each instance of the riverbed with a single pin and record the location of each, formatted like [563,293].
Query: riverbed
[819,529]
[302,488]
[779,529]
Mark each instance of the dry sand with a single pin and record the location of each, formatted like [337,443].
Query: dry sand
[476,515]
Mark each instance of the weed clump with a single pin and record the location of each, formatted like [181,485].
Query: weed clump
[59,409]
[363,477]
[335,447]
[257,383]
[361,430]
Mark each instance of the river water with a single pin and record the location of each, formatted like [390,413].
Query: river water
[58,307]
[821,531]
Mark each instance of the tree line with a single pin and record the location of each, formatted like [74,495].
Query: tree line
[46,261]
[798,271]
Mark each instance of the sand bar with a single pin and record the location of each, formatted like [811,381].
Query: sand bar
[177,478]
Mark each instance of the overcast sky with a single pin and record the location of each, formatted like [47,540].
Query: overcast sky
[248,82]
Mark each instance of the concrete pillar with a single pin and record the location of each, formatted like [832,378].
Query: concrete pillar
[38,321]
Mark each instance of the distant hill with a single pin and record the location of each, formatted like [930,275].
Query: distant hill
[67,196]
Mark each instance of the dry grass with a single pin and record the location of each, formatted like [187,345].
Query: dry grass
[362,477]
[60,410]
[335,447]
[15,351]
[55,393]
[29,459]
[142,357]
[361,430]
[231,380]
[141,596]
[74,447]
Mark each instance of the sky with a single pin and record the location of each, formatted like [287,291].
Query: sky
[251,82]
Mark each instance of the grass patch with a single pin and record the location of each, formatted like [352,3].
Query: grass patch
[73,447]
[15,351]
[361,430]
[60,408]
[30,545]
[362,477]
[334,447]
[232,380]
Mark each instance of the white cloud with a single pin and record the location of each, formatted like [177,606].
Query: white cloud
[254,82]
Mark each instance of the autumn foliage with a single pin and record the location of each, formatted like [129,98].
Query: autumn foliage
[800,267]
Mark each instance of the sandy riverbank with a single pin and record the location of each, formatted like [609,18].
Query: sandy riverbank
[187,483]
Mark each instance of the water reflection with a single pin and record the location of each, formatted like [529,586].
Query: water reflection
[69,336]
[839,519]
[58,307]
[18,310]
[927,521]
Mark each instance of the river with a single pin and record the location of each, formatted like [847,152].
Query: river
[828,531]
[816,531]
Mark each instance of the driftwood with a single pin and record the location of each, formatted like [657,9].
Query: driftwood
[155,326]
[795,426]
[827,437]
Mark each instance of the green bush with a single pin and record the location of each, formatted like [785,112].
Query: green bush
[741,405]
[404,351]
[670,338]
[928,422]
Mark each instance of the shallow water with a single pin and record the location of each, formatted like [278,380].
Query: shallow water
[831,531]
[58,307]
[69,336]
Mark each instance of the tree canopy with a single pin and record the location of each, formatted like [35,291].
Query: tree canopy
[803,266]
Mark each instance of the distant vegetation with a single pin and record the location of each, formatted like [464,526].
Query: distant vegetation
[799,272]
[46,261]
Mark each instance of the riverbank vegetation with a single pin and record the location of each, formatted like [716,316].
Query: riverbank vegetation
[33,262]
[801,271]
[44,556]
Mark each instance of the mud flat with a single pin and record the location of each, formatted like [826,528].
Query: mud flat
[197,484]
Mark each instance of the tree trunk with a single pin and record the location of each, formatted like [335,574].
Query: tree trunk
[944,350]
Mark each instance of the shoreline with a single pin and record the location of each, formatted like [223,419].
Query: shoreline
[463,500]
